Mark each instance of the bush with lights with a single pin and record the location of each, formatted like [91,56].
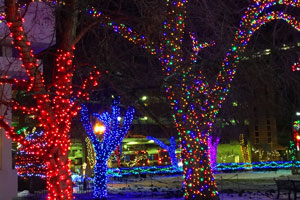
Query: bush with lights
[112,132]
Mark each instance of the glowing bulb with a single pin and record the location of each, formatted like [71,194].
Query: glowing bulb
[99,128]
[144,98]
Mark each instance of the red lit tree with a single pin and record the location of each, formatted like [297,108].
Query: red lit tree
[53,108]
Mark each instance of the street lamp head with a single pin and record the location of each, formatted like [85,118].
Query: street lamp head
[99,128]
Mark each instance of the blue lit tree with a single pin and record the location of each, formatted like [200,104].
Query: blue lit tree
[105,144]
[171,149]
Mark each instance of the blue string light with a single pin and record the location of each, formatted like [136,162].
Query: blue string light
[105,144]
[119,172]
[171,149]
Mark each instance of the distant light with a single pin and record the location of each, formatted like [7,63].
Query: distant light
[151,141]
[144,98]
[298,113]
[119,118]
[144,118]
[235,104]
[132,143]
[298,137]
[233,122]
[99,128]
[180,164]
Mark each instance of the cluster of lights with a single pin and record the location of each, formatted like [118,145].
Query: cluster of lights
[193,126]
[142,158]
[293,150]
[91,154]
[105,143]
[258,165]
[125,31]
[163,157]
[171,149]
[213,150]
[119,172]
[27,163]
[2,17]
[296,66]
[244,149]
[296,134]
[54,112]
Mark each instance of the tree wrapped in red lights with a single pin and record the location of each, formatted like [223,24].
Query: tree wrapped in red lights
[195,102]
[54,108]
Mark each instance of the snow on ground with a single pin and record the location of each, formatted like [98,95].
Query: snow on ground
[254,185]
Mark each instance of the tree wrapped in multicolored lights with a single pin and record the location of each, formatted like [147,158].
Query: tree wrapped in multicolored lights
[171,149]
[52,105]
[29,164]
[194,101]
[104,145]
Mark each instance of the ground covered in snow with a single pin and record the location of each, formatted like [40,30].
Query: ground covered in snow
[255,185]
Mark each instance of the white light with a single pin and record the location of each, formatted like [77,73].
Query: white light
[144,118]
[180,164]
[298,113]
[119,118]
[144,98]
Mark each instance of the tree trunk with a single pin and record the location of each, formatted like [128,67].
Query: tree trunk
[199,182]
[59,182]
[100,179]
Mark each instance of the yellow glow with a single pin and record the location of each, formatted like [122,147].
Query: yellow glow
[298,137]
[99,128]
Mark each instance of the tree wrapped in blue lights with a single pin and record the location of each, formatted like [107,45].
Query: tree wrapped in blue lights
[171,149]
[105,144]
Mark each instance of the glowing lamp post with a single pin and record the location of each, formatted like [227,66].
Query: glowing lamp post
[99,129]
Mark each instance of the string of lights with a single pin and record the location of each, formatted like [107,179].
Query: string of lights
[193,126]
[213,149]
[296,66]
[27,163]
[54,109]
[171,149]
[119,172]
